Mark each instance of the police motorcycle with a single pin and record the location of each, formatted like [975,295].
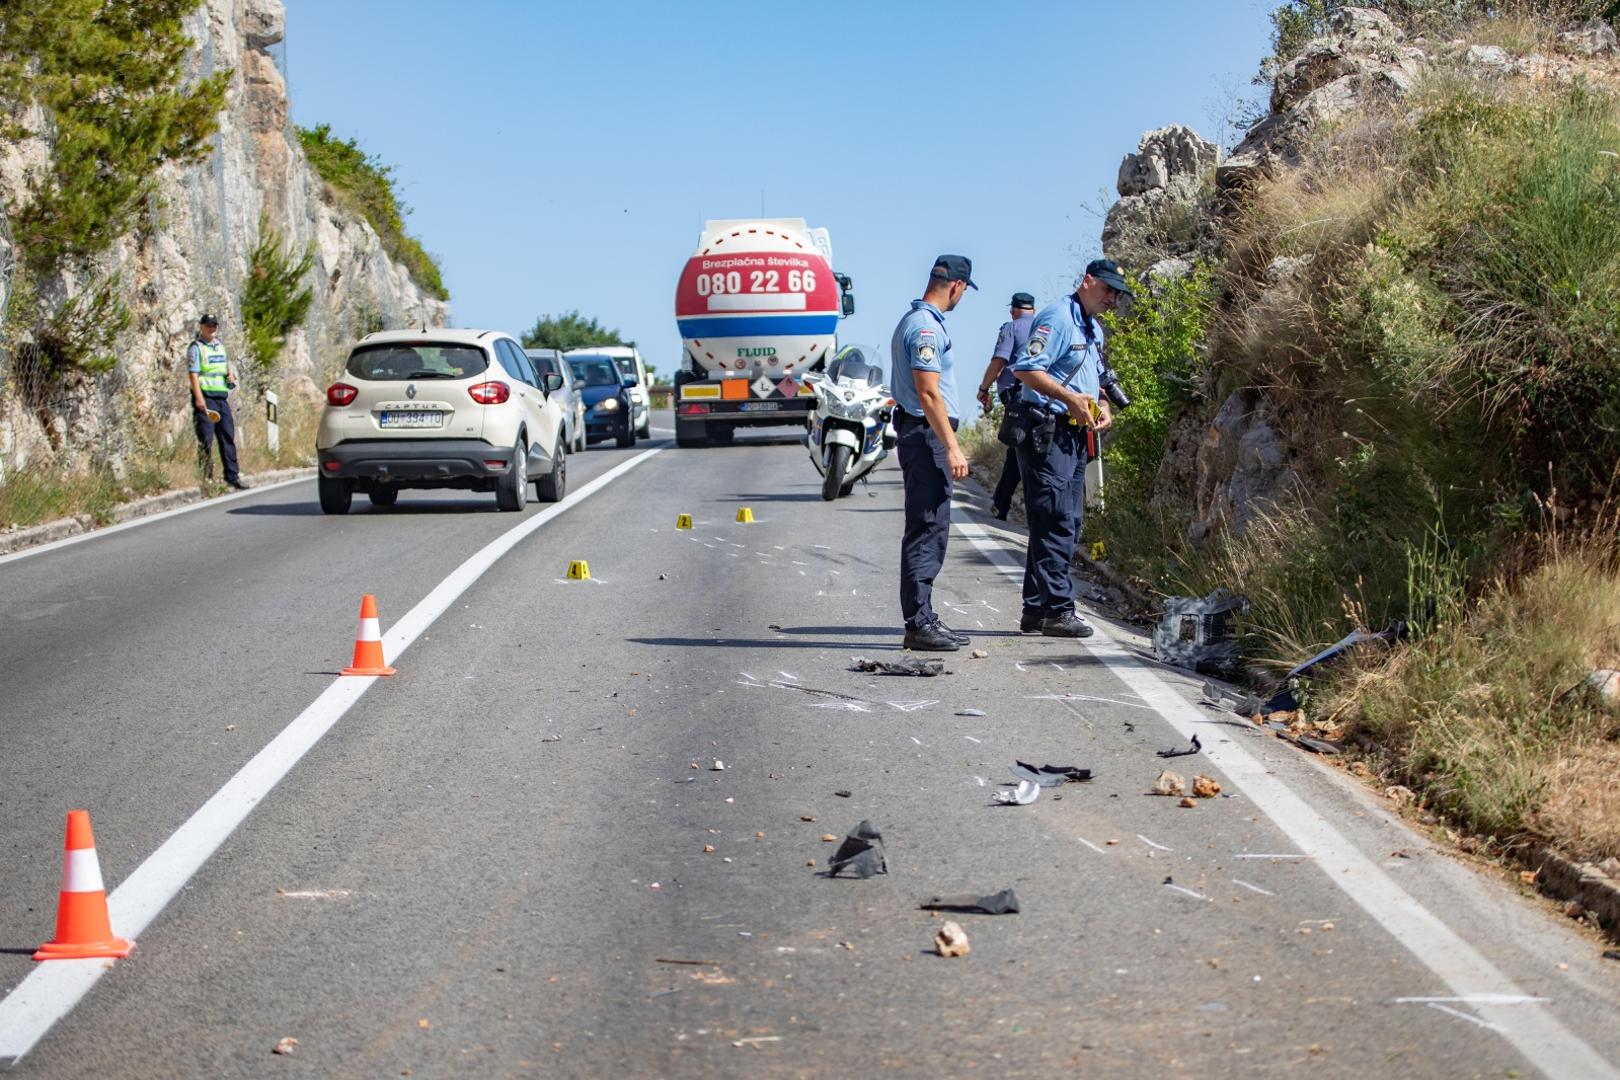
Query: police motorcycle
[852,428]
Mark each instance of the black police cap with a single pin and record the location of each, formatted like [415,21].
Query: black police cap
[1108,272]
[1023,300]
[953,268]
[207,320]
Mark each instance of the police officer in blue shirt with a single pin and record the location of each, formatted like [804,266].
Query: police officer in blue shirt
[1009,342]
[930,459]
[1061,371]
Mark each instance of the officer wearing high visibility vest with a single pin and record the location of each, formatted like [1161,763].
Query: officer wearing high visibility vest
[1061,371]
[212,378]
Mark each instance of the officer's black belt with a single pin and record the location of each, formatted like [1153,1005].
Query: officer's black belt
[903,419]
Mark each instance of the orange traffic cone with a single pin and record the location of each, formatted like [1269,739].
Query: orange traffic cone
[83,929]
[368,655]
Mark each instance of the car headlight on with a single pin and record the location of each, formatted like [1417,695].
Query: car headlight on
[608,405]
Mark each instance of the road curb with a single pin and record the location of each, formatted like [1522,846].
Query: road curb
[52,531]
[1582,883]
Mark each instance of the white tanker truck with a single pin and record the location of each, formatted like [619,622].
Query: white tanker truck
[758,304]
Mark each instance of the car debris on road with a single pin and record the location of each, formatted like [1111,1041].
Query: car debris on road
[861,851]
[1004,902]
[924,668]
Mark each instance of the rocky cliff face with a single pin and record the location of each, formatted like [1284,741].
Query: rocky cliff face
[191,252]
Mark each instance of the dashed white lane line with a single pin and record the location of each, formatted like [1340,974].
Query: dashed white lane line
[1531,1028]
[51,990]
[96,534]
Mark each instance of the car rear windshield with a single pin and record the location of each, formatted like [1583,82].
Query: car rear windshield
[596,370]
[426,361]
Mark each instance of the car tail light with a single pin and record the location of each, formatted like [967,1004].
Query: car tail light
[693,408]
[333,466]
[490,393]
[340,393]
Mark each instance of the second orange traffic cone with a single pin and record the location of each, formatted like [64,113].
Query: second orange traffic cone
[83,929]
[368,654]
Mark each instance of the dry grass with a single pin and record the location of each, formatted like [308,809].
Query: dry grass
[35,495]
[1490,718]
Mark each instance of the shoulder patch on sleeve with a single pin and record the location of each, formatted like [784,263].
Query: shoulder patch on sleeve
[1036,346]
[925,353]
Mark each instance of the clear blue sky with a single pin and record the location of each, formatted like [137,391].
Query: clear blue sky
[563,155]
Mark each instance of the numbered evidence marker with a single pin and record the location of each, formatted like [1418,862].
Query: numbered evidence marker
[579,570]
[683,521]
[745,516]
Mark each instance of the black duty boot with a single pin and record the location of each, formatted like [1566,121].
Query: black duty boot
[1030,621]
[931,638]
[961,638]
[240,484]
[1067,624]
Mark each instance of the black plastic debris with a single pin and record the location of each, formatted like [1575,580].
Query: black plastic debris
[861,851]
[1050,775]
[1195,748]
[1286,700]
[972,712]
[1004,902]
[1198,634]
[925,668]
[843,794]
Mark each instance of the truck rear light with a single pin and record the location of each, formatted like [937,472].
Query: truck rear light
[693,408]
[340,393]
[333,466]
[490,393]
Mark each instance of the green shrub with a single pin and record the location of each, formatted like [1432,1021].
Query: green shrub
[108,76]
[365,186]
[272,303]
[570,330]
[1156,353]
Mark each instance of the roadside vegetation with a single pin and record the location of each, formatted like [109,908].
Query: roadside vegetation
[570,330]
[363,185]
[1442,357]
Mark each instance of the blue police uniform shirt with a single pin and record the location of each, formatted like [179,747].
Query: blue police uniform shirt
[1058,345]
[1009,343]
[920,343]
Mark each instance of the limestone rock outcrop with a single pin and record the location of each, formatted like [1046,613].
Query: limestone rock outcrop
[1164,189]
[191,252]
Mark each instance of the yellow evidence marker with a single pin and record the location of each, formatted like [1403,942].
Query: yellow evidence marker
[579,570]
[683,521]
[745,516]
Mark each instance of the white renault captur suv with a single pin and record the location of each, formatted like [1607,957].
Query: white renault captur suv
[440,409]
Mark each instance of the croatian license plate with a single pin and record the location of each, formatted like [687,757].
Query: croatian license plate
[760,406]
[411,420]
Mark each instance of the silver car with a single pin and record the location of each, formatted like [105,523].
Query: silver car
[552,362]
[440,409]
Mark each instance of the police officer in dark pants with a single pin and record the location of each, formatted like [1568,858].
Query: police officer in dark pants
[930,459]
[1061,371]
[211,378]
[1009,342]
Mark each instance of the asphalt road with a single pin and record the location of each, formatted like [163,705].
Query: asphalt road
[488,862]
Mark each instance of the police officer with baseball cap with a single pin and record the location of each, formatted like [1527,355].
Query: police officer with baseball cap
[1060,369]
[212,378]
[1014,333]
[931,460]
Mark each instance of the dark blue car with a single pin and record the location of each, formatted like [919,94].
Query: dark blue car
[608,414]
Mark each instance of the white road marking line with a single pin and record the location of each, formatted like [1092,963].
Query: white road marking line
[1090,845]
[51,990]
[1474,999]
[1151,844]
[1253,888]
[95,534]
[1536,1033]
[1264,855]
[1459,1014]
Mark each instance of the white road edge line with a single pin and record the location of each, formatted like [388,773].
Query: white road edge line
[201,504]
[52,989]
[1534,1031]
